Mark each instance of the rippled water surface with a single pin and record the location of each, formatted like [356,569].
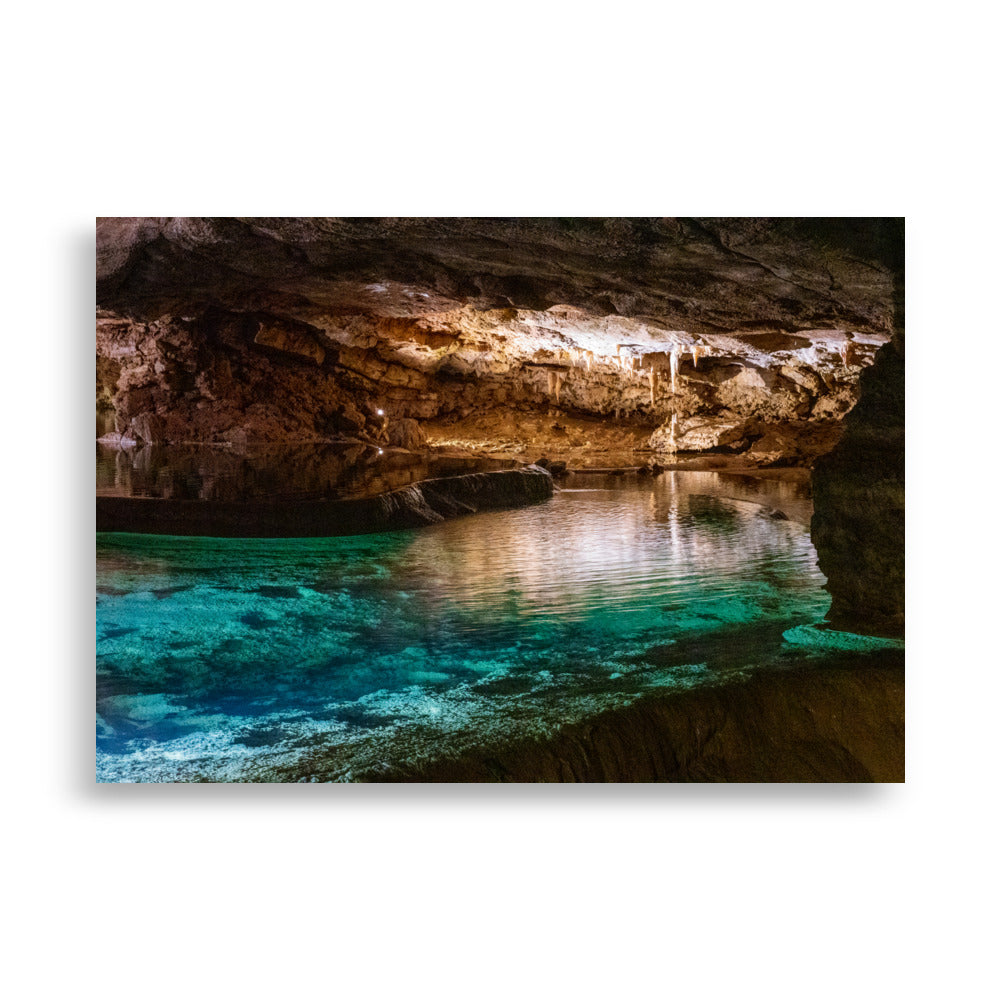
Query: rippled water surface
[276,660]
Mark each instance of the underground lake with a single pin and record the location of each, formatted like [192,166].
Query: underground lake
[500,500]
[382,656]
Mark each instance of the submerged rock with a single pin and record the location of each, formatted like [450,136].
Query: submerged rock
[811,723]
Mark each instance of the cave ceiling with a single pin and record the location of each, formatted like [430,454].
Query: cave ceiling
[748,288]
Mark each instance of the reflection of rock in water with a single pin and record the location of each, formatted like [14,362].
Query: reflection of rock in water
[179,472]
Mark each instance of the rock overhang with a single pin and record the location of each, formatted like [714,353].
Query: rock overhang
[696,276]
[759,319]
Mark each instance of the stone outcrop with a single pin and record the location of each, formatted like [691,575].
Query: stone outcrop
[838,723]
[859,523]
[700,275]
[699,434]
[407,433]
[300,329]
[427,502]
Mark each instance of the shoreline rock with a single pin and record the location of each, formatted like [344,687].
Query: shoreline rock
[843,722]
[427,502]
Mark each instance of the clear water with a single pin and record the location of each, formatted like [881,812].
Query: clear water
[276,660]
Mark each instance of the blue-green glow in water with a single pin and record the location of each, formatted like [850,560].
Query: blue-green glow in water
[242,659]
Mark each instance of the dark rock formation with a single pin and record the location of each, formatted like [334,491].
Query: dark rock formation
[842,722]
[858,490]
[422,503]
[705,275]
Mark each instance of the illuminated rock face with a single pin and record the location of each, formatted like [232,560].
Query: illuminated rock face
[301,329]
[703,276]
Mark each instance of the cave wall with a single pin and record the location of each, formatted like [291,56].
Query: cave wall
[859,523]
[700,275]
[222,376]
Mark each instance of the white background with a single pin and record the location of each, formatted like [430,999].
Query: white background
[521,109]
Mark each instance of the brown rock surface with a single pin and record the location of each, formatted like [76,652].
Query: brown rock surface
[859,523]
[842,722]
[284,329]
[701,275]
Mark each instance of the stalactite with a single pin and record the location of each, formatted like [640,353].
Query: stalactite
[695,351]
[589,355]
[674,364]
[652,386]
[558,382]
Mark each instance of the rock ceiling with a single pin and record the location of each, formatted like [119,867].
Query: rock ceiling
[648,282]
[740,319]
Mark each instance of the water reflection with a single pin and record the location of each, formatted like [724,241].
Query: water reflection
[233,659]
[191,472]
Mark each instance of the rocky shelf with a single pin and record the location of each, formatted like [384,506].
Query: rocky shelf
[843,722]
[427,502]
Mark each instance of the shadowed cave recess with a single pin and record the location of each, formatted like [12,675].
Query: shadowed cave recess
[362,356]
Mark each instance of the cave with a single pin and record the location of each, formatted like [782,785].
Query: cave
[500,499]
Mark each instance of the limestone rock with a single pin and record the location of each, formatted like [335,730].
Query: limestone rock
[774,444]
[694,274]
[699,434]
[408,434]
[282,337]
[802,723]
[858,490]
[427,502]
[147,428]
[291,329]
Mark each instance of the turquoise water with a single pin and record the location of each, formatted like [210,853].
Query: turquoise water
[268,660]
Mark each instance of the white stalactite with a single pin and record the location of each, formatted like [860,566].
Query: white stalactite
[674,365]
[695,351]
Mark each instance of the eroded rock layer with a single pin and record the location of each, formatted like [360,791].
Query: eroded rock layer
[738,335]
[843,723]
[859,523]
